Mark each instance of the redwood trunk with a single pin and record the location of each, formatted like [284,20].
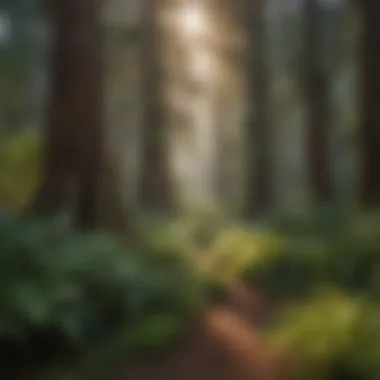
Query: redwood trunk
[260,165]
[318,109]
[155,183]
[75,113]
[370,110]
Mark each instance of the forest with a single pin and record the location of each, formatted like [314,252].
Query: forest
[189,190]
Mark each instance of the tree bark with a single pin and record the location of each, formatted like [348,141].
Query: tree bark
[260,192]
[223,154]
[369,127]
[318,107]
[74,152]
[155,182]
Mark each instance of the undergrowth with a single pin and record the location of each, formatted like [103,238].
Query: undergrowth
[64,292]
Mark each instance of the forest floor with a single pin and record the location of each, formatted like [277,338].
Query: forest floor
[226,344]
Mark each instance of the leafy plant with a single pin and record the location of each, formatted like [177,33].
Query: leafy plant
[331,336]
[81,287]
[338,249]
[19,169]
[236,249]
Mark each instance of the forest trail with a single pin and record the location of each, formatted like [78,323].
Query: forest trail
[225,345]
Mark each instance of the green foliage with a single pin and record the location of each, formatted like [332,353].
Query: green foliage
[19,170]
[292,256]
[355,253]
[236,249]
[152,332]
[332,261]
[200,226]
[293,273]
[313,337]
[329,248]
[365,353]
[84,285]
[331,336]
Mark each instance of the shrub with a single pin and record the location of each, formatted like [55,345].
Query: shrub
[354,255]
[344,251]
[236,249]
[200,226]
[364,355]
[83,286]
[19,169]
[332,336]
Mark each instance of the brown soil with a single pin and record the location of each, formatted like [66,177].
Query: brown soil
[225,345]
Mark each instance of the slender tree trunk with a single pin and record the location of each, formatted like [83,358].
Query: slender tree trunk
[370,110]
[221,162]
[223,157]
[155,184]
[75,113]
[260,161]
[318,105]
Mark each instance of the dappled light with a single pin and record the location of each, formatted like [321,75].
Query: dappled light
[192,21]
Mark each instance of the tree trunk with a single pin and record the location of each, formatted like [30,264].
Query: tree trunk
[318,105]
[259,156]
[155,182]
[74,152]
[370,111]
[223,156]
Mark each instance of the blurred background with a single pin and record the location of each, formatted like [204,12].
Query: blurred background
[158,157]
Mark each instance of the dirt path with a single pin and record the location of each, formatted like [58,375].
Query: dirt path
[226,345]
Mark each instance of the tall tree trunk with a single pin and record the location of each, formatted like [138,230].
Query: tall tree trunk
[74,154]
[370,111]
[155,182]
[91,143]
[318,105]
[260,161]
[223,156]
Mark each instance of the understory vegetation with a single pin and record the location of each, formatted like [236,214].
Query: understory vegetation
[324,271]
[64,292]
